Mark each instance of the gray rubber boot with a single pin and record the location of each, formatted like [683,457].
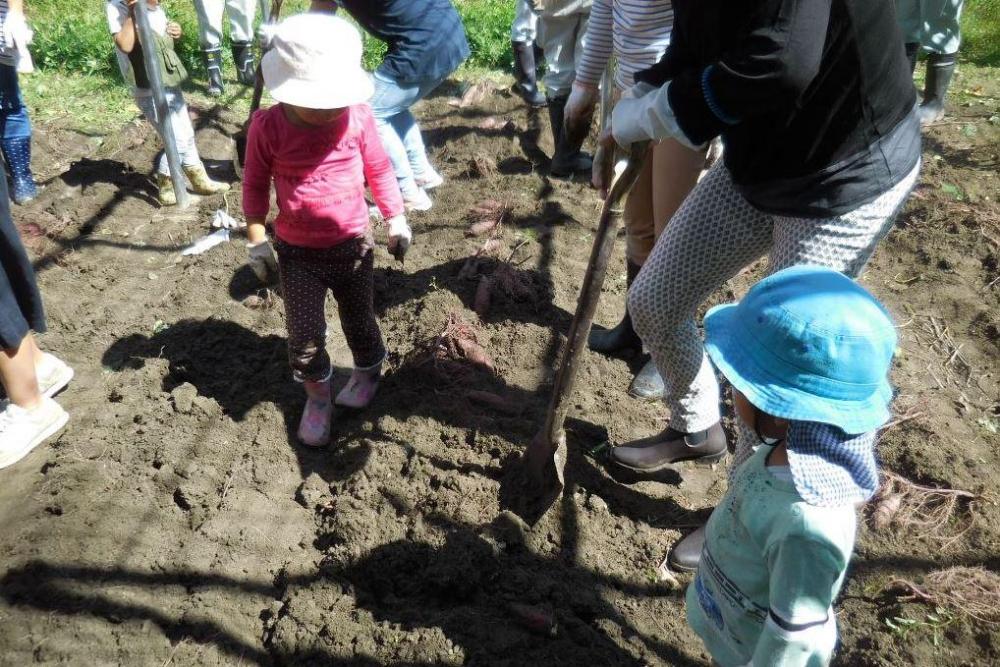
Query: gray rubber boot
[940,68]
[647,383]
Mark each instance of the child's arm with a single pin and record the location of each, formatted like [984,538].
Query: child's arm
[384,186]
[125,39]
[257,200]
[806,575]
[378,168]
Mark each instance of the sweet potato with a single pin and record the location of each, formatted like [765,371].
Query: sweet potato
[484,292]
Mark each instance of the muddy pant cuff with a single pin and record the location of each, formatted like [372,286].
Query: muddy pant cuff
[300,376]
[369,365]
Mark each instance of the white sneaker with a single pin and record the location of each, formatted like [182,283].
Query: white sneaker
[430,179]
[418,202]
[22,430]
[53,374]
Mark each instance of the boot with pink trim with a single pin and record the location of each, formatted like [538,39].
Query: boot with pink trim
[314,428]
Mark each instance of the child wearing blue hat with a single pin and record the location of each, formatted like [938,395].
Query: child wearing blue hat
[807,352]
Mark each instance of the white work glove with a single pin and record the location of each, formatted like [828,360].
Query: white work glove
[262,261]
[649,117]
[222,220]
[579,109]
[400,236]
[265,33]
[16,31]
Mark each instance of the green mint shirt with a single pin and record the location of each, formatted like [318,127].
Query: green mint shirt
[771,568]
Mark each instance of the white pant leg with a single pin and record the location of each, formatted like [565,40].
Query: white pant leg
[180,123]
[241,16]
[713,235]
[525,26]
[209,23]
[844,243]
[562,39]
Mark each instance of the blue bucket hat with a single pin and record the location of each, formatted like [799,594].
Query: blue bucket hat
[807,344]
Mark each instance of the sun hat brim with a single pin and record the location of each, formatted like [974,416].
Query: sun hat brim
[346,89]
[725,343]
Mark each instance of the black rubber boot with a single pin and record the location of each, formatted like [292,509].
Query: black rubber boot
[568,158]
[246,72]
[687,553]
[526,85]
[213,64]
[940,68]
[622,338]
[912,49]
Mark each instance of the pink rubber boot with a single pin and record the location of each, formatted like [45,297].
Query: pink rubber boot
[360,389]
[314,428]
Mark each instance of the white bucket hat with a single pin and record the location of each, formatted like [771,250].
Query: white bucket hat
[315,62]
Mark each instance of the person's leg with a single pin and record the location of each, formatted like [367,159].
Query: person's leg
[941,38]
[210,38]
[187,148]
[241,17]
[561,38]
[350,279]
[305,318]
[405,124]
[714,234]
[17,374]
[389,100]
[522,37]
[674,169]
[16,136]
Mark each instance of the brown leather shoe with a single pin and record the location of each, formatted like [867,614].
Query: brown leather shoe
[671,446]
[687,552]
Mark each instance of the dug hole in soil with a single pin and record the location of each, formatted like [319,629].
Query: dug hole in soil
[175,521]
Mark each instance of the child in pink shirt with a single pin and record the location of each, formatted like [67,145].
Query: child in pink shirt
[319,146]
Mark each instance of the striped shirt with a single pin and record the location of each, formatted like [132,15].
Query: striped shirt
[638,31]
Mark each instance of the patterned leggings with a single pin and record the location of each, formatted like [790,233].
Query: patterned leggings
[306,275]
[714,235]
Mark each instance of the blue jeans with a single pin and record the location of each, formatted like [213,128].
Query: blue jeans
[397,128]
[14,121]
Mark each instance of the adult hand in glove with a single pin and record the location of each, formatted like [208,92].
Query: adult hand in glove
[400,236]
[580,110]
[648,117]
[262,261]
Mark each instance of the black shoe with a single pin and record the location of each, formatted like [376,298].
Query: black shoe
[213,64]
[622,339]
[243,59]
[662,450]
[687,553]
[526,85]
[568,158]
[940,68]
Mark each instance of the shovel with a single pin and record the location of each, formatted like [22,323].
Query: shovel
[240,138]
[542,465]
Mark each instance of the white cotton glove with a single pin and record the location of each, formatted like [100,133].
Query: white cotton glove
[265,33]
[222,220]
[16,31]
[649,117]
[400,236]
[262,261]
[580,109]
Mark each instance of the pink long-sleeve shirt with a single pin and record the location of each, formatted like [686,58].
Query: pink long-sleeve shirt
[319,176]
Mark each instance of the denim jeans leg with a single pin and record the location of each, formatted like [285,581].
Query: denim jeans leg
[390,100]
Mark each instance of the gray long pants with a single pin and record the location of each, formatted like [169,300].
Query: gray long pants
[241,16]
[714,235]
[180,122]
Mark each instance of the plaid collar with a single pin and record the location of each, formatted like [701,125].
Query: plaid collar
[831,468]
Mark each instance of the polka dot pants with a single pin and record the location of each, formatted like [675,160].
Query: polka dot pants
[714,235]
[306,275]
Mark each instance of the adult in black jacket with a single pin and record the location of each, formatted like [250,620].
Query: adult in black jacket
[815,107]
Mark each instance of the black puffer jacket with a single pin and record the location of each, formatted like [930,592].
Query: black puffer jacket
[813,98]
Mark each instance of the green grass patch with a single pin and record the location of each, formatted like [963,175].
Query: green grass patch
[981,32]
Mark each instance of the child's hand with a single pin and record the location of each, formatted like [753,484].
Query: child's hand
[262,261]
[400,236]
[174,30]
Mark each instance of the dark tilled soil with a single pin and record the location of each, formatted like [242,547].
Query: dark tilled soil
[176,522]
